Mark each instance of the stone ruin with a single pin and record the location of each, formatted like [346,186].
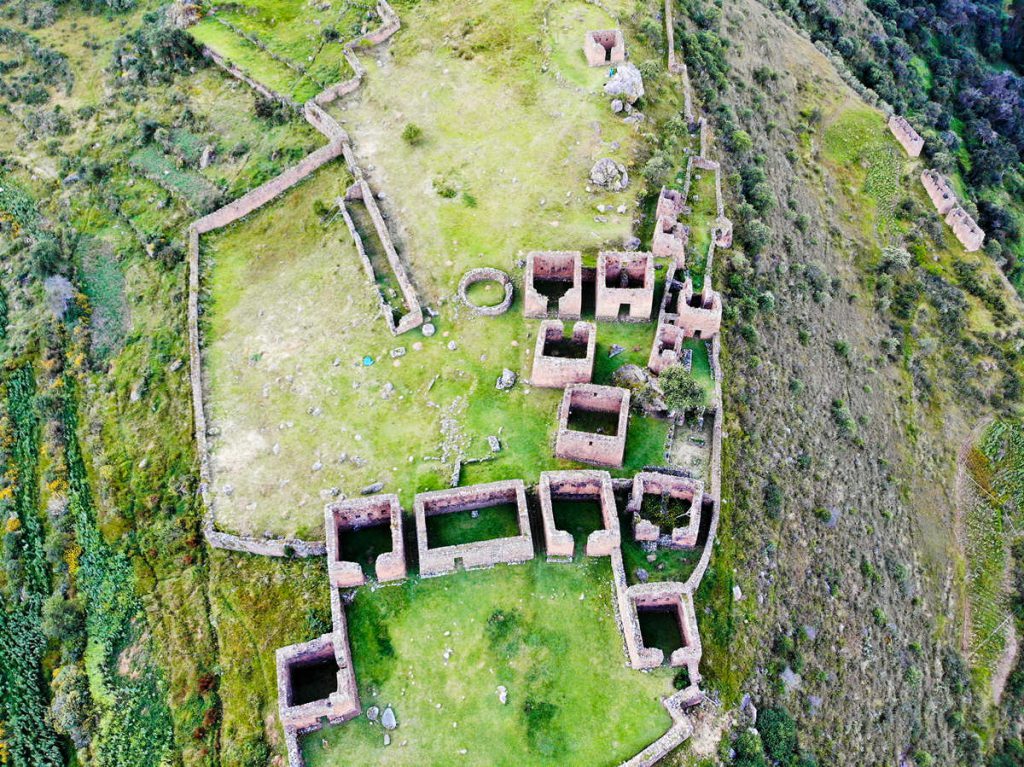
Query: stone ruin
[670,237]
[445,559]
[413,317]
[559,361]
[553,274]
[667,488]
[959,220]
[358,514]
[677,599]
[909,138]
[485,274]
[604,46]
[585,485]
[592,446]
[667,349]
[625,281]
[316,682]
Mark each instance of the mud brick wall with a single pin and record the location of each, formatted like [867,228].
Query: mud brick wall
[558,372]
[561,265]
[445,559]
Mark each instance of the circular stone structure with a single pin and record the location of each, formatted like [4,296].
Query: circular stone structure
[486,274]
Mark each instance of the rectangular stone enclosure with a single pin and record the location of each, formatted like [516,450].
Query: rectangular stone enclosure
[559,361]
[675,497]
[553,276]
[677,600]
[508,550]
[585,485]
[359,514]
[593,446]
[316,680]
[604,46]
[625,286]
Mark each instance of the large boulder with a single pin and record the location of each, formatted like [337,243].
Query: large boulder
[626,84]
[609,175]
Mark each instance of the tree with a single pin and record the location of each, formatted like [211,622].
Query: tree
[681,390]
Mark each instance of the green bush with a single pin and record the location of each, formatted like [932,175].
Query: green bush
[778,734]
[681,390]
[412,134]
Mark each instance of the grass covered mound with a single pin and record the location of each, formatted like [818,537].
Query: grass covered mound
[545,632]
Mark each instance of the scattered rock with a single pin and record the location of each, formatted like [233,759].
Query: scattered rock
[494,443]
[621,210]
[634,119]
[652,557]
[506,381]
[207,157]
[388,719]
[387,738]
[626,82]
[642,575]
[372,713]
[616,105]
[748,709]
[387,390]
[503,694]
[609,175]
[452,346]
[398,352]
[631,243]
[616,350]
[737,593]
[429,329]
[376,487]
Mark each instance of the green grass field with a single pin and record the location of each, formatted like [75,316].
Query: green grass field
[544,631]
[292,317]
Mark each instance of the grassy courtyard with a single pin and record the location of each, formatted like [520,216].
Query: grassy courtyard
[291,321]
[544,631]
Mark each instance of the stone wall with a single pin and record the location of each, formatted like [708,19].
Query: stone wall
[590,447]
[484,274]
[667,347]
[444,559]
[356,514]
[558,372]
[909,138]
[959,220]
[604,46]
[553,266]
[413,316]
[575,486]
[338,143]
[624,279]
[672,487]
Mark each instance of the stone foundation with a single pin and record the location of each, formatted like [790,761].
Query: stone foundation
[484,274]
[557,372]
[553,266]
[357,514]
[576,486]
[591,447]
[625,280]
[604,46]
[445,559]
[667,486]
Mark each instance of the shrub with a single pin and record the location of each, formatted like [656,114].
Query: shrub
[681,390]
[778,734]
[412,134]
